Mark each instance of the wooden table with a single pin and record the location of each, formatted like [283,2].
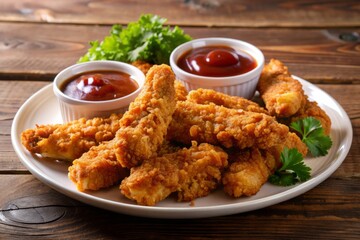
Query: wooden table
[318,40]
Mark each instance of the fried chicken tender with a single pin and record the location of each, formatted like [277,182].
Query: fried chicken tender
[223,126]
[291,141]
[97,169]
[144,126]
[100,168]
[285,99]
[311,109]
[283,95]
[140,134]
[142,65]
[206,96]
[250,169]
[180,91]
[192,173]
[70,140]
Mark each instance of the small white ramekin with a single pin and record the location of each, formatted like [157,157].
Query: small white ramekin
[243,85]
[72,109]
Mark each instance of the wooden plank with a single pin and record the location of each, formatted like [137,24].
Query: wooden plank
[39,51]
[16,92]
[12,95]
[248,13]
[329,211]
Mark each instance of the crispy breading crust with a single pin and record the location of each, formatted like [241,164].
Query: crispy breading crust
[312,109]
[70,140]
[206,96]
[142,65]
[97,169]
[192,172]
[249,170]
[283,95]
[223,126]
[180,89]
[145,124]
[146,119]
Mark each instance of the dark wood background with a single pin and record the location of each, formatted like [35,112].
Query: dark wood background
[318,40]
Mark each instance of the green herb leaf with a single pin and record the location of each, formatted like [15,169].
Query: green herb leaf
[293,169]
[147,40]
[283,179]
[312,134]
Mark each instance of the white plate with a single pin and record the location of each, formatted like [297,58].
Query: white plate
[42,108]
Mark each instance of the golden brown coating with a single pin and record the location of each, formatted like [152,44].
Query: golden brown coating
[206,96]
[97,169]
[192,173]
[100,169]
[292,141]
[283,95]
[285,98]
[223,126]
[180,91]
[144,125]
[142,65]
[70,140]
[249,170]
[312,109]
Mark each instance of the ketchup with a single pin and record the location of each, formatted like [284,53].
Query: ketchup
[99,85]
[216,61]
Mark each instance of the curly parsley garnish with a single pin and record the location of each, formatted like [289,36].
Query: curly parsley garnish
[293,169]
[312,134]
[147,40]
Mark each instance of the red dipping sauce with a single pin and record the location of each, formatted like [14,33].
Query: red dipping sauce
[216,61]
[99,85]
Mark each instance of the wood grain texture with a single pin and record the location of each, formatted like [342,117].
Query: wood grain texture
[278,13]
[323,213]
[40,51]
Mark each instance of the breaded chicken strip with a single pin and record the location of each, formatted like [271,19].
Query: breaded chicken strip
[70,140]
[206,96]
[144,125]
[180,90]
[192,173]
[142,65]
[223,126]
[283,95]
[311,109]
[141,133]
[100,168]
[292,141]
[250,169]
[97,169]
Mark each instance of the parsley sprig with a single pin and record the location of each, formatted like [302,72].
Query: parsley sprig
[293,169]
[312,134]
[147,40]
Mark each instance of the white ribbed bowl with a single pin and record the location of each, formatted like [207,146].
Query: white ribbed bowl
[72,109]
[243,85]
